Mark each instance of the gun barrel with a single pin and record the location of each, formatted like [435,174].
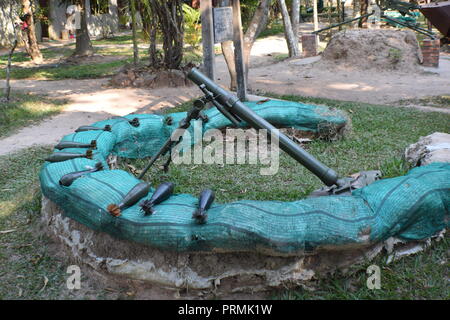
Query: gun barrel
[235,106]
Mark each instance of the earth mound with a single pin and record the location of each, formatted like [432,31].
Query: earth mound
[148,77]
[380,50]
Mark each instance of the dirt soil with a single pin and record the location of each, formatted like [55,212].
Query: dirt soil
[310,78]
[383,49]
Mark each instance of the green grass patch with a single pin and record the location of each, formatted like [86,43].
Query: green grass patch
[272,29]
[418,277]
[280,57]
[24,110]
[442,101]
[120,51]
[49,53]
[84,71]
[25,261]
[29,266]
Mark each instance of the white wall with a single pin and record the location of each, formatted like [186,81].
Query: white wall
[96,23]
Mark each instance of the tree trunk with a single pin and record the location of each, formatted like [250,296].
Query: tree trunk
[228,53]
[295,17]
[339,13]
[364,4]
[257,24]
[31,43]
[356,13]
[316,15]
[330,22]
[289,33]
[155,60]
[83,45]
[170,22]
[11,52]
[134,28]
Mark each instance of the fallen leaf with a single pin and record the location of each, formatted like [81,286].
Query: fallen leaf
[132,169]
[7,231]
[301,140]
[45,284]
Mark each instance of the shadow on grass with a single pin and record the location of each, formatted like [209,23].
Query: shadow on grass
[24,110]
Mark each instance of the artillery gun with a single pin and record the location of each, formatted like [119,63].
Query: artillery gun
[236,111]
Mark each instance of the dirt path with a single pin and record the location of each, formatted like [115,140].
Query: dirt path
[301,77]
[91,100]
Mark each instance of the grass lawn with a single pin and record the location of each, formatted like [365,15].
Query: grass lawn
[418,277]
[442,101]
[379,137]
[24,259]
[272,29]
[23,110]
[82,71]
[48,53]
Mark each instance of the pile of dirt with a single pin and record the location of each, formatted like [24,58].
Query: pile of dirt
[381,50]
[146,77]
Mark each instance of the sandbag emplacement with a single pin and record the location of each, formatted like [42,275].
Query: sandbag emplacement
[171,249]
[413,206]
